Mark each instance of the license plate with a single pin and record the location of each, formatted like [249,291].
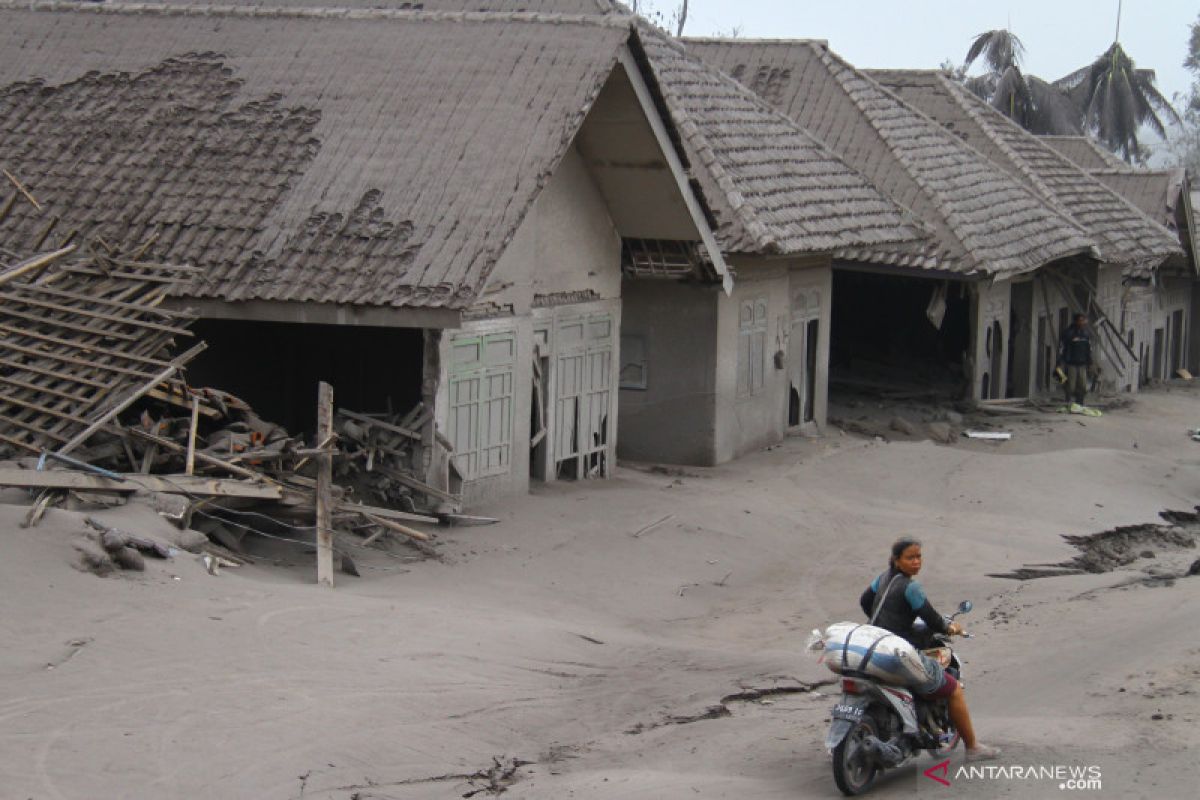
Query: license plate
[845,711]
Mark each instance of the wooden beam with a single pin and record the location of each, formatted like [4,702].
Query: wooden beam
[32,264]
[166,484]
[396,527]
[132,397]
[386,513]
[420,486]
[324,493]
[190,461]
[387,426]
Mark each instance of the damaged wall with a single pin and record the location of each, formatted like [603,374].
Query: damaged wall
[566,247]
[562,265]
[668,374]
[989,345]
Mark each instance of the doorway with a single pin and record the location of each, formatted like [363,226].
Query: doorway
[802,372]
[1020,339]
[1156,364]
[1176,342]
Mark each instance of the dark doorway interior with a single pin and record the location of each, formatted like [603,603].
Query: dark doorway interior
[881,333]
[276,366]
[1020,339]
[1157,364]
[1176,342]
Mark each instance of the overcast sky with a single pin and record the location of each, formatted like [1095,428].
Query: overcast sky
[1059,35]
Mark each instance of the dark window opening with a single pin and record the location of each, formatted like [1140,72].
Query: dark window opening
[881,334]
[275,367]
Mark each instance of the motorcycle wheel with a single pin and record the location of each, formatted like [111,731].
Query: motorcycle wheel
[854,771]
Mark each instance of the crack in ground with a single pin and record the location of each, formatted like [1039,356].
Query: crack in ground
[496,780]
[1120,547]
[721,709]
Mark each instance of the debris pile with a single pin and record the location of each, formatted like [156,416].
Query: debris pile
[94,406]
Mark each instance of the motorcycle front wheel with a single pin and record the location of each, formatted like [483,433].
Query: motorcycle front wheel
[854,771]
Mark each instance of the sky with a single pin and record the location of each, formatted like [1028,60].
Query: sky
[1059,35]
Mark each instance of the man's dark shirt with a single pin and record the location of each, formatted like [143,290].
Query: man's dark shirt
[1075,349]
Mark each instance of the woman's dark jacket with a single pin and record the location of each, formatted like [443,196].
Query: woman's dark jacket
[902,603]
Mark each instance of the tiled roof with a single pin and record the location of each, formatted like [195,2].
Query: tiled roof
[1154,191]
[1125,234]
[376,157]
[1085,152]
[771,186]
[985,220]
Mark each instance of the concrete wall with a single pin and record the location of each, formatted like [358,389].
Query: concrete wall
[566,243]
[990,306]
[692,410]
[673,419]
[1174,295]
[749,421]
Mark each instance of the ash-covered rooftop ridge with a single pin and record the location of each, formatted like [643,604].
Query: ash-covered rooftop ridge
[1125,234]
[986,221]
[773,187]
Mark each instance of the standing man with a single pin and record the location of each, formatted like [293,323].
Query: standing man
[1075,356]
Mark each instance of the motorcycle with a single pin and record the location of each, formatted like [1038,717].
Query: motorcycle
[876,727]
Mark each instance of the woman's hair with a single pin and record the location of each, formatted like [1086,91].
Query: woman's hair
[899,546]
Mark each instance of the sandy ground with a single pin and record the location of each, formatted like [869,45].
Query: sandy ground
[560,639]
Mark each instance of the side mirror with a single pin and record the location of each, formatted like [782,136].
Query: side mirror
[965,606]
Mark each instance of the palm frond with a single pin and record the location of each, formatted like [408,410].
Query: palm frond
[1052,110]
[982,86]
[1011,96]
[1116,98]
[1000,49]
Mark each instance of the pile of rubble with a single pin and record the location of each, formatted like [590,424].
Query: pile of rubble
[94,407]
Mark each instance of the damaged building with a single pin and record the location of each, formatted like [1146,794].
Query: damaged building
[417,207]
[934,316]
[1158,305]
[1026,238]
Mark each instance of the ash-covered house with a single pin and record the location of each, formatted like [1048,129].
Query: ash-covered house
[1159,307]
[926,314]
[708,376]
[1135,248]
[416,206]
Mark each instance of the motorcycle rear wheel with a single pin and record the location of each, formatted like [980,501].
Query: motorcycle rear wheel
[854,771]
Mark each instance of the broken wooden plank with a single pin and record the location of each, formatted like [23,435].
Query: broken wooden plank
[324,491]
[132,397]
[396,527]
[190,460]
[466,520]
[387,426]
[387,513]
[35,263]
[164,484]
[21,188]
[420,486]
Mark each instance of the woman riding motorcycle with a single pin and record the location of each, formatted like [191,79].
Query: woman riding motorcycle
[895,600]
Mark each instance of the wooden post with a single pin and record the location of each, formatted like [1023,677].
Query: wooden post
[324,486]
[190,467]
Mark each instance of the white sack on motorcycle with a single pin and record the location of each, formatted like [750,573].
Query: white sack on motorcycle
[888,658]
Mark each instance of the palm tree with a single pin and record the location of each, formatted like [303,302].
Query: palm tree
[1116,98]
[1034,104]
